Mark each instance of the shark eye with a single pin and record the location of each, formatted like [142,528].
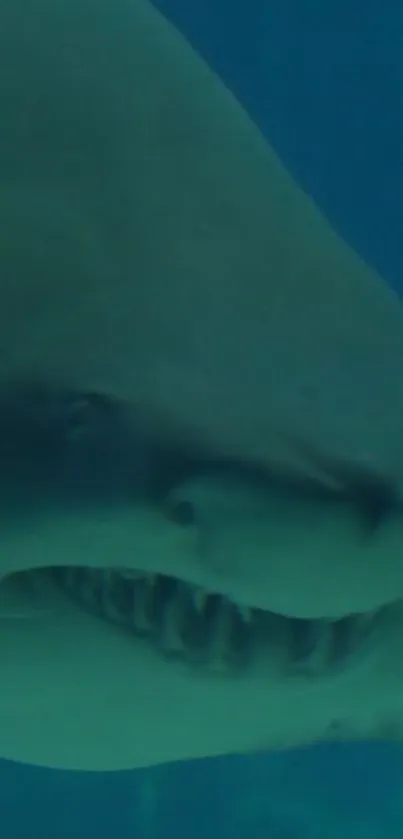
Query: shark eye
[183,513]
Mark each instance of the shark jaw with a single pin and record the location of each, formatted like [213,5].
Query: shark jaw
[81,692]
[154,611]
[125,642]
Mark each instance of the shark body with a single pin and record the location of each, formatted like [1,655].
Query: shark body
[155,250]
[156,257]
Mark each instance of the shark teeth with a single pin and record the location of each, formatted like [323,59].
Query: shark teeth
[173,618]
[320,645]
[310,644]
[199,626]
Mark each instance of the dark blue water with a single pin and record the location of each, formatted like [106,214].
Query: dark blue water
[321,793]
[325,82]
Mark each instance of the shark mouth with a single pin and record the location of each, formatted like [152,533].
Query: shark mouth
[65,448]
[202,628]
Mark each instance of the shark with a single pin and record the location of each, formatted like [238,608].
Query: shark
[201,444]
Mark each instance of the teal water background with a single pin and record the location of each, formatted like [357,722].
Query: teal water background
[338,792]
[325,82]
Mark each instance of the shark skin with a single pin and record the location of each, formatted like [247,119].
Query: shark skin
[81,693]
[154,249]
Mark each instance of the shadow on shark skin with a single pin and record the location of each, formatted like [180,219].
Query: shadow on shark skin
[190,360]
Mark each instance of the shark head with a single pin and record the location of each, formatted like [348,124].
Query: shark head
[203,613]
[165,284]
